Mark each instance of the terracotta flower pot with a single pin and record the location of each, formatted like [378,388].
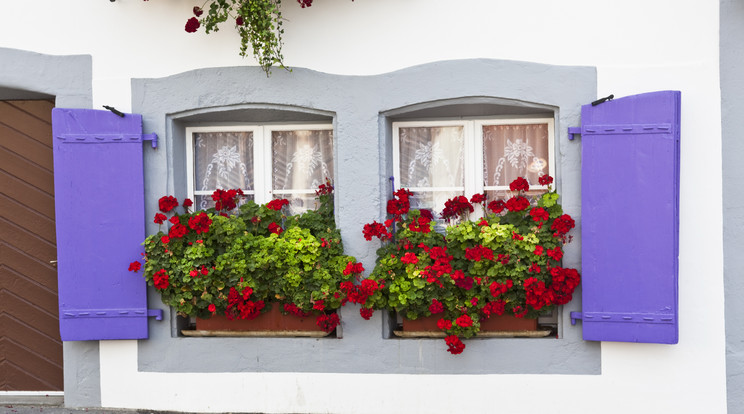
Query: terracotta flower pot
[271,323]
[495,323]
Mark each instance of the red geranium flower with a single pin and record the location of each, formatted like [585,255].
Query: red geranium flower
[198,11]
[187,203]
[444,324]
[135,266]
[454,344]
[366,313]
[212,308]
[328,323]
[436,306]
[520,184]
[275,228]
[464,321]
[160,279]
[539,214]
[159,218]
[409,258]
[545,179]
[517,203]
[496,206]
[478,198]
[192,24]
[277,204]
[167,203]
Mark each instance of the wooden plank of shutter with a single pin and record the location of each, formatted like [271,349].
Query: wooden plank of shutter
[630,218]
[99,208]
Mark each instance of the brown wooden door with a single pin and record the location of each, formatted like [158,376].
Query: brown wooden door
[30,346]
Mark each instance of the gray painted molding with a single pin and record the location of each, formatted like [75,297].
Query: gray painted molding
[732,125]
[361,108]
[67,79]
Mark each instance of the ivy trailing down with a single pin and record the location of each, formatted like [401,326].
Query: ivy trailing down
[259,23]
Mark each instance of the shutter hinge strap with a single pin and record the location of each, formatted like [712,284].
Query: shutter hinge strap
[106,138]
[653,318]
[112,313]
[575,316]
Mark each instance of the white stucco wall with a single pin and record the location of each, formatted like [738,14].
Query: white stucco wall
[636,46]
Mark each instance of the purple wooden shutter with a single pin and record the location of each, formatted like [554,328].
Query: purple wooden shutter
[99,205]
[630,218]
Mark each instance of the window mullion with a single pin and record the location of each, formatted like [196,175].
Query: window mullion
[261,157]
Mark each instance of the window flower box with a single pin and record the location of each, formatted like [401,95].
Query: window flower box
[232,261]
[506,263]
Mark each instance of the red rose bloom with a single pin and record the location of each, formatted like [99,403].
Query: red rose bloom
[167,203]
[520,184]
[135,266]
[192,24]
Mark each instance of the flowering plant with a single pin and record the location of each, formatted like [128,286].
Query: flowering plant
[237,260]
[506,262]
[258,22]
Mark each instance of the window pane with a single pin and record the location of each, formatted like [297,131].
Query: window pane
[511,151]
[301,160]
[431,156]
[223,160]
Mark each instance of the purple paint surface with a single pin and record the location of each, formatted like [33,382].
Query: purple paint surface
[99,205]
[630,218]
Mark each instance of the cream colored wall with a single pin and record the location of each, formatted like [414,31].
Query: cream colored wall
[636,46]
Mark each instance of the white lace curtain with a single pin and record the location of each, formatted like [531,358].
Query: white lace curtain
[301,160]
[431,162]
[222,160]
[511,151]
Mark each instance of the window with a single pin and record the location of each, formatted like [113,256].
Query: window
[438,160]
[265,161]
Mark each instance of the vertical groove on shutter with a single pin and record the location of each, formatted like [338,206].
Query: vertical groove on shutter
[630,218]
[100,224]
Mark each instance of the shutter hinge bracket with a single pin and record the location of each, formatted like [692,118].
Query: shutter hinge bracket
[153,138]
[573,131]
[576,316]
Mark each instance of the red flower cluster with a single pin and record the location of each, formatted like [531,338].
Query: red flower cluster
[454,344]
[538,295]
[556,253]
[376,229]
[192,24]
[198,11]
[464,321]
[478,198]
[295,310]
[562,225]
[135,266]
[440,267]
[545,179]
[324,189]
[366,313]
[462,281]
[563,284]
[497,288]
[492,308]
[520,184]
[177,231]
[478,252]
[420,225]
[167,203]
[496,206]
[160,218]
[539,214]
[444,324]
[456,206]
[240,306]
[277,204]
[305,3]
[275,228]
[517,203]
[187,203]
[328,323]
[226,200]
[400,204]
[353,268]
[409,258]
[436,307]
[200,223]
[161,279]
